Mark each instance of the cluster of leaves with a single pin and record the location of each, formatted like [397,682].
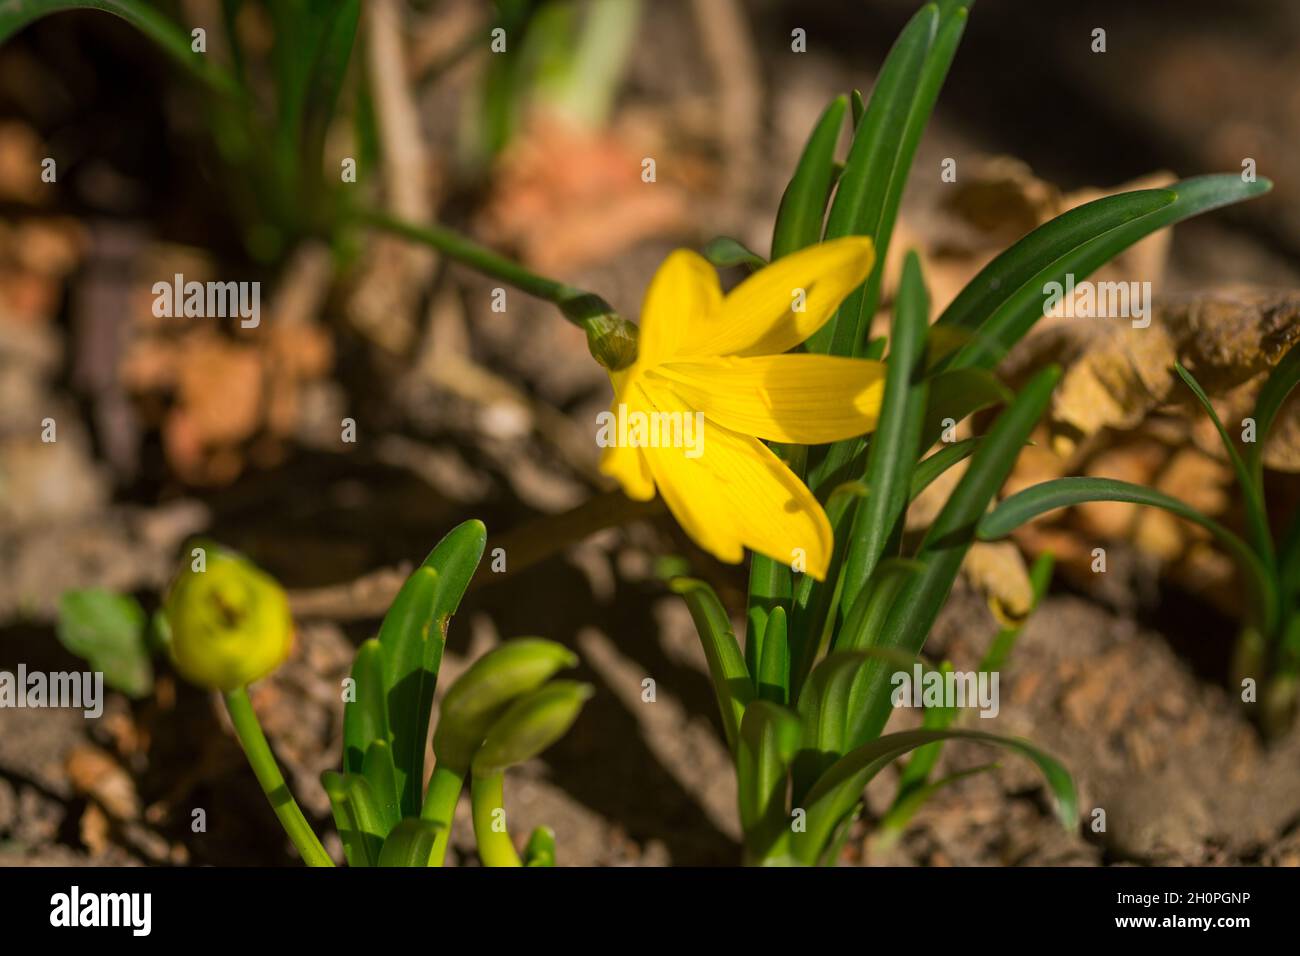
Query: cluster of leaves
[503,710]
[1268,648]
[806,702]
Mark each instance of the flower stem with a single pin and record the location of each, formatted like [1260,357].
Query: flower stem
[611,338]
[268,775]
[440,805]
[487,798]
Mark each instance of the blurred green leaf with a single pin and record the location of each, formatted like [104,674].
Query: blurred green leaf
[107,631]
[410,843]
[174,40]
[725,252]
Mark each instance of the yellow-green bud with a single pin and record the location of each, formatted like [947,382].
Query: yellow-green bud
[229,621]
[530,725]
[483,692]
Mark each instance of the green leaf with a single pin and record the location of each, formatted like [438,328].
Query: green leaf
[895,444]
[725,252]
[731,680]
[1006,298]
[540,850]
[1279,384]
[884,144]
[871,609]
[931,468]
[839,789]
[325,78]
[803,205]
[413,634]
[1252,493]
[1063,492]
[107,630]
[773,674]
[381,774]
[403,635]
[410,843]
[174,41]
[357,816]
[957,393]
[365,718]
[769,739]
[949,537]
[770,586]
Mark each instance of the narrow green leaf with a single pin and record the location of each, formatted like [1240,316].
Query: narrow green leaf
[895,444]
[357,816]
[773,673]
[901,812]
[1064,492]
[365,717]
[731,680]
[803,205]
[769,739]
[410,843]
[950,536]
[884,144]
[1279,384]
[957,393]
[107,631]
[1252,494]
[1007,296]
[871,608]
[380,773]
[929,469]
[174,41]
[403,636]
[838,790]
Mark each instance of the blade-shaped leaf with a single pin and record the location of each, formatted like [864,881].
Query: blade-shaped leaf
[358,818]
[1252,495]
[726,252]
[1279,384]
[930,468]
[1063,492]
[884,144]
[174,41]
[773,673]
[365,716]
[949,538]
[839,789]
[1007,297]
[895,444]
[410,843]
[769,739]
[803,205]
[731,680]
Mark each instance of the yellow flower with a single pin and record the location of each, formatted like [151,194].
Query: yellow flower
[229,622]
[716,361]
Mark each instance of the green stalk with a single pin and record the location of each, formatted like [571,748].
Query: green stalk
[611,338]
[268,775]
[440,805]
[487,795]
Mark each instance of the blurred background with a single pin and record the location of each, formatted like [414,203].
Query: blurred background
[171,427]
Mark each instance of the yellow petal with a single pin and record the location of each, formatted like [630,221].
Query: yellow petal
[624,463]
[805,399]
[782,304]
[736,494]
[682,294]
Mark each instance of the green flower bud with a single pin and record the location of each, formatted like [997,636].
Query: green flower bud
[229,622]
[530,725]
[484,691]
